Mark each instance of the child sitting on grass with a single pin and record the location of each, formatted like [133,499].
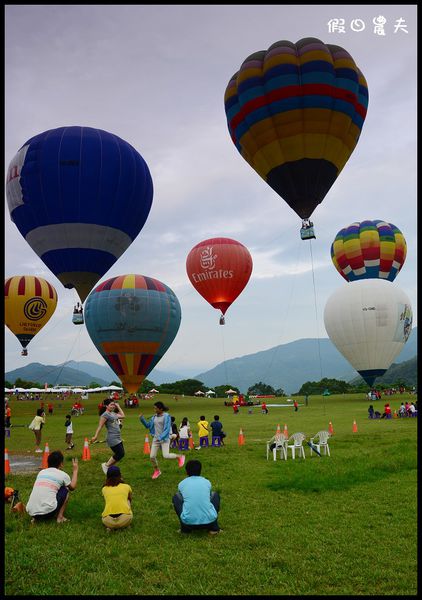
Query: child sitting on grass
[117,512]
[195,504]
[50,494]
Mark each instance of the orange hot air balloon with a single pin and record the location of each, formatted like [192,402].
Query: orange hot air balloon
[219,269]
[29,304]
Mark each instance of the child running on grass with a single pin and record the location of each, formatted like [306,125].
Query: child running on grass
[159,426]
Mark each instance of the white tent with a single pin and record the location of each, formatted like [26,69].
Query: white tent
[153,391]
[199,393]
[105,388]
[210,393]
[231,392]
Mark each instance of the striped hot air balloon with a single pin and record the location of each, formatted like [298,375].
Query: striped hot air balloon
[29,304]
[132,320]
[295,113]
[79,196]
[369,250]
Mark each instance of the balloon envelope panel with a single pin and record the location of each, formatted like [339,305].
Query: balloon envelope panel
[29,304]
[369,321]
[79,196]
[369,249]
[132,320]
[295,113]
[219,269]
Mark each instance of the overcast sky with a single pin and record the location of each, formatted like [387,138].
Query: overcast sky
[156,76]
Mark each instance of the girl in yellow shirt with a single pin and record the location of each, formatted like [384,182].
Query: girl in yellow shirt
[117,512]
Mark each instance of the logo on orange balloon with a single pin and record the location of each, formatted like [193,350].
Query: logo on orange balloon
[35,309]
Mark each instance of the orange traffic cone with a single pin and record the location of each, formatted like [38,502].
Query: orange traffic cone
[44,462]
[395,415]
[191,444]
[147,447]
[330,428]
[286,431]
[355,427]
[278,430]
[86,452]
[6,462]
[241,438]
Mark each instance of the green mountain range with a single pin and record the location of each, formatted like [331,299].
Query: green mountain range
[291,365]
[287,366]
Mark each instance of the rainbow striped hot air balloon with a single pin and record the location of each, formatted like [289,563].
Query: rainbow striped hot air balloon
[29,304]
[295,113]
[132,320]
[369,250]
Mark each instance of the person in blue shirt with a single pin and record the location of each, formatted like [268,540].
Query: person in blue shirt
[195,504]
[217,429]
[159,426]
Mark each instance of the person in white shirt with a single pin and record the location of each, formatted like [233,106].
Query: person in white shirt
[184,434]
[69,432]
[50,494]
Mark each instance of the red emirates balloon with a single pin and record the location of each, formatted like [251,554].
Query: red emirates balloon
[219,269]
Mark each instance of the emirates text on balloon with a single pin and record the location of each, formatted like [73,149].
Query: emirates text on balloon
[197,277]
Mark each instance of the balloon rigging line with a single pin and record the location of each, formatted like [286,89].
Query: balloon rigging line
[224,355]
[276,349]
[78,333]
[316,318]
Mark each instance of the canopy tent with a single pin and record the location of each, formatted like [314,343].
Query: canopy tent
[199,393]
[210,393]
[231,392]
[153,391]
[105,388]
[59,390]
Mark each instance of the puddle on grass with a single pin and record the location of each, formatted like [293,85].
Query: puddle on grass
[24,464]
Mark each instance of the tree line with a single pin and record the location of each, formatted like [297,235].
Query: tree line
[189,387]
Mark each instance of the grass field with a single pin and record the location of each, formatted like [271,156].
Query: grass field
[339,525]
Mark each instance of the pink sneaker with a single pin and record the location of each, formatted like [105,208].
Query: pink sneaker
[156,474]
[181,460]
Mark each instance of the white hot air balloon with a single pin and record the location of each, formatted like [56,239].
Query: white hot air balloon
[369,322]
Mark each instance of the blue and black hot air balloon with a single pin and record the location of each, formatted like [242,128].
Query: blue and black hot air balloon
[79,196]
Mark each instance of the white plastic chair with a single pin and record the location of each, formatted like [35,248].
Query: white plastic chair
[320,441]
[297,445]
[280,441]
